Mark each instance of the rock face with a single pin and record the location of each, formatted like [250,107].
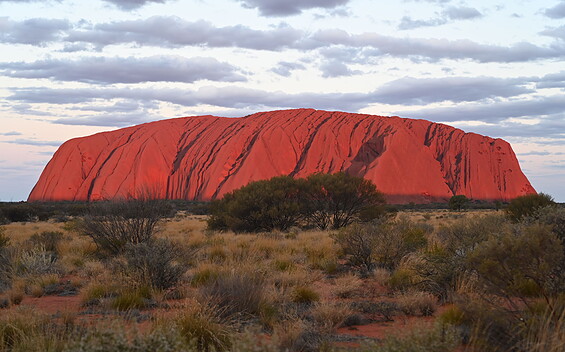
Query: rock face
[204,157]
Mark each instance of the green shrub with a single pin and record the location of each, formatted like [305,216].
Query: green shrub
[113,225]
[337,200]
[37,261]
[417,303]
[6,269]
[321,200]
[452,316]
[235,294]
[132,298]
[49,240]
[154,264]
[305,294]
[204,326]
[4,239]
[518,265]
[440,266]
[458,202]
[204,275]
[524,206]
[260,206]
[116,339]
[381,243]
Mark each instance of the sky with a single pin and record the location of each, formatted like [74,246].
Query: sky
[74,68]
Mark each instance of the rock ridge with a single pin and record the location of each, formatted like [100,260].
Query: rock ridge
[203,157]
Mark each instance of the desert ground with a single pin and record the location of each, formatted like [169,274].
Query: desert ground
[298,290]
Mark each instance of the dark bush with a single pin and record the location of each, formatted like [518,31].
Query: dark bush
[153,264]
[518,266]
[18,212]
[381,243]
[112,225]
[4,240]
[441,266]
[48,240]
[6,269]
[321,200]
[524,206]
[260,206]
[458,202]
[337,200]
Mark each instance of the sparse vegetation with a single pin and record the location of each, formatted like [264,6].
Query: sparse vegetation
[527,205]
[474,280]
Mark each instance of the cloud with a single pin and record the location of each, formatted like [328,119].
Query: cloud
[133,4]
[434,49]
[276,8]
[285,68]
[27,109]
[556,12]
[408,23]
[414,91]
[35,31]
[451,13]
[462,13]
[407,91]
[336,68]
[110,120]
[553,80]
[495,111]
[538,153]
[35,142]
[11,133]
[557,33]
[101,70]
[172,31]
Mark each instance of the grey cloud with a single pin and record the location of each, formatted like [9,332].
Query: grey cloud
[119,107]
[336,68]
[176,32]
[11,133]
[557,33]
[274,8]
[553,80]
[462,13]
[133,4]
[558,11]
[285,68]
[26,109]
[538,153]
[110,120]
[101,70]
[451,13]
[35,31]
[406,91]
[435,49]
[547,128]
[35,142]
[173,31]
[413,91]
[495,111]
[408,23]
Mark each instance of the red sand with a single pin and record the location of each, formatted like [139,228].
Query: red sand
[204,157]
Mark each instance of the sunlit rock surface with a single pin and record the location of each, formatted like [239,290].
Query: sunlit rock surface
[203,157]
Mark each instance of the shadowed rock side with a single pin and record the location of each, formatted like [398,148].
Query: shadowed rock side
[204,157]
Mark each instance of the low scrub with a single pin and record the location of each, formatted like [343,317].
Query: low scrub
[237,294]
[155,264]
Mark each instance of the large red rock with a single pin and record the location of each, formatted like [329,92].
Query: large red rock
[204,157]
